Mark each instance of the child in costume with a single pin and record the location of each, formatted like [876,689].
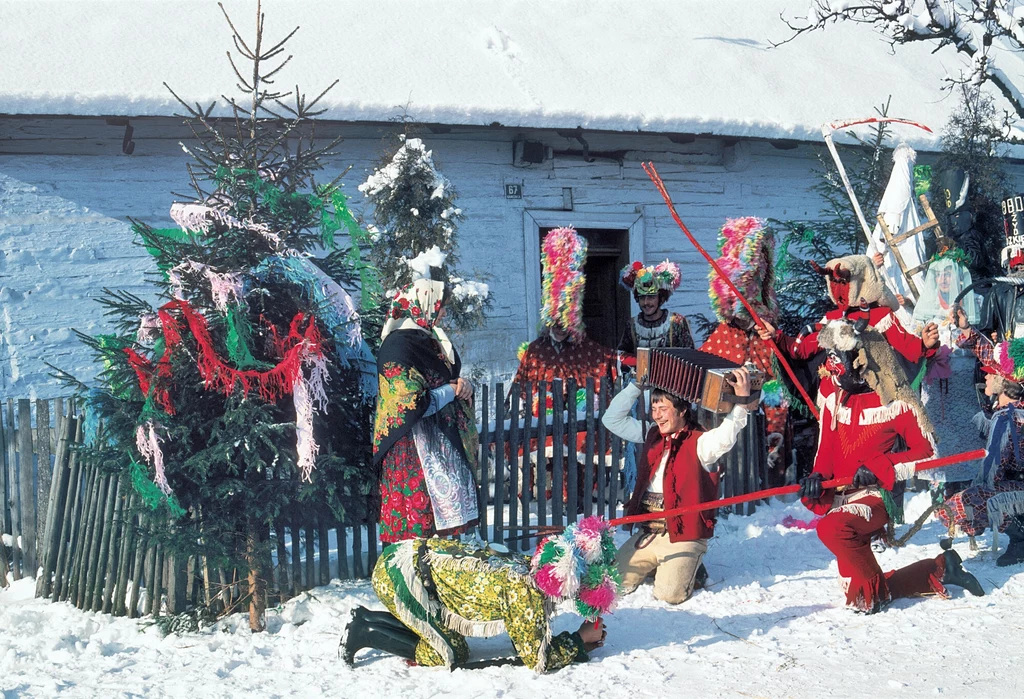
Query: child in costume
[439,591]
[563,350]
[654,326]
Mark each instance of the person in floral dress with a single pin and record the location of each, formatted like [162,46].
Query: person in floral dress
[424,436]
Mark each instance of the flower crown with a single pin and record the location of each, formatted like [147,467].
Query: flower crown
[648,281]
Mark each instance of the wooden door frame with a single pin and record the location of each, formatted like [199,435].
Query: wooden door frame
[534,220]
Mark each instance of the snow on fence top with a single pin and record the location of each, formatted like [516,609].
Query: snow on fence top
[691,66]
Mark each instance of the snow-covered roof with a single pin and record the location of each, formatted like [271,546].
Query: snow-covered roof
[691,66]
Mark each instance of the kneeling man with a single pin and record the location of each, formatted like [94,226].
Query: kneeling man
[678,467]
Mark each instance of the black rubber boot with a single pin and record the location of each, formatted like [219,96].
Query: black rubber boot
[700,578]
[366,634]
[376,618]
[1014,553]
[956,575]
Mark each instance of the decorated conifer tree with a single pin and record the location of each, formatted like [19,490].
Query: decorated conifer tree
[417,228]
[246,391]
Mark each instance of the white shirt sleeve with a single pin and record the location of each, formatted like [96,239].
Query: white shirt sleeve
[713,444]
[617,419]
[439,397]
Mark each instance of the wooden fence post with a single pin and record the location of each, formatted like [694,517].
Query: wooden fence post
[5,487]
[558,442]
[513,461]
[45,477]
[499,463]
[572,465]
[26,485]
[13,492]
[484,452]
[588,472]
[55,508]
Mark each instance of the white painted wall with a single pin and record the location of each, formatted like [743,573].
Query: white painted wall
[66,192]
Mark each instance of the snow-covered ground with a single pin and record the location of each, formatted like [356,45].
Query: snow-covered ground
[771,625]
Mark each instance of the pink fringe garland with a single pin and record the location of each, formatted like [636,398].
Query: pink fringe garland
[148,444]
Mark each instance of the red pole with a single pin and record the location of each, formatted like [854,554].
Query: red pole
[772,492]
[656,179]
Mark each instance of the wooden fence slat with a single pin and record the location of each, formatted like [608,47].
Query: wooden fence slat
[372,535]
[155,582]
[499,463]
[558,442]
[283,584]
[296,542]
[515,473]
[96,546]
[572,467]
[341,535]
[55,509]
[311,579]
[27,487]
[82,537]
[126,556]
[68,555]
[105,592]
[357,550]
[13,492]
[483,463]
[45,477]
[588,469]
[325,551]
[529,470]
[137,573]
[602,448]
[5,487]
[542,448]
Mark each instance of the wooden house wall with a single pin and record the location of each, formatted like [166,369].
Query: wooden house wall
[67,190]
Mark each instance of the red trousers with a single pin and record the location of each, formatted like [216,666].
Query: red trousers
[848,534]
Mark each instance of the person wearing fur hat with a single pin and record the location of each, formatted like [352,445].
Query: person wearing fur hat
[1002,471]
[439,591]
[655,325]
[677,467]
[747,253]
[867,404]
[563,350]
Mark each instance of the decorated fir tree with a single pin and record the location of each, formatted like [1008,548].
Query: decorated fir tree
[417,228]
[246,391]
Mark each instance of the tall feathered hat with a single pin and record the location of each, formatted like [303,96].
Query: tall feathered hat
[649,280]
[746,253]
[563,254]
[579,565]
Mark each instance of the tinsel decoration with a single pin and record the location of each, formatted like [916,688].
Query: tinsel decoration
[563,255]
[224,286]
[238,340]
[202,218]
[148,443]
[309,397]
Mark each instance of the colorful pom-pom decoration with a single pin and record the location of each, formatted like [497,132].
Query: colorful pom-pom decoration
[746,248]
[579,564]
[648,281]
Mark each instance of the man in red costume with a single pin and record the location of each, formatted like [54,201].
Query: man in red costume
[866,402]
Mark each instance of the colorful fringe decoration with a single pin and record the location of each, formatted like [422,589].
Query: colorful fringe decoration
[648,281]
[336,310]
[579,564]
[150,494]
[239,339]
[148,444]
[223,286]
[563,254]
[203,218]
[309,397]
[746,250]
[521,352]
[1009,359]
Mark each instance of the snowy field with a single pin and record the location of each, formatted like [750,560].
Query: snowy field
[770,625]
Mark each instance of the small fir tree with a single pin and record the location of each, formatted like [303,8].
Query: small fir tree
[246,393]
[416,229]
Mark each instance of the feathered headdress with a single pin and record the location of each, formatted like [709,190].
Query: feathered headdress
[1008,360]
[579,564]
[648,281]
[746,253]
[563,254]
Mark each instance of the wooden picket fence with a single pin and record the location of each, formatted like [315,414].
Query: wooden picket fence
[77,528]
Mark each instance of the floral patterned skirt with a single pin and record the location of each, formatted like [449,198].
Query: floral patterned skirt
[405,509]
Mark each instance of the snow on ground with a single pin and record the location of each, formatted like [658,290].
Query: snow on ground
[770,626]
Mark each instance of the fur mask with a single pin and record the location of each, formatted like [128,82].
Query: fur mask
[854,281]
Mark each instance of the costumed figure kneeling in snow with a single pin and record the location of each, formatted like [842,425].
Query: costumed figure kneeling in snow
[439,591]
[866,404]
[424,435]
[678,467]
[655,325]
[1002,471]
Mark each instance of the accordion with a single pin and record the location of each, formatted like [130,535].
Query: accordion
[695,376]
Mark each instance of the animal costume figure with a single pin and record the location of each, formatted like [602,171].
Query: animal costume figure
[667,329]
[439,591]
[867,405]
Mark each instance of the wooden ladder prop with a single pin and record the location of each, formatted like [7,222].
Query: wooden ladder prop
[893,241]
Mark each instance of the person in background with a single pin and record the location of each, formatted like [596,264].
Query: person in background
[655,325]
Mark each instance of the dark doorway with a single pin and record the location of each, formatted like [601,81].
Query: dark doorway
[605,302]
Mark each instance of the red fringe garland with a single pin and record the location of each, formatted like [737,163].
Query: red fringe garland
[303,338]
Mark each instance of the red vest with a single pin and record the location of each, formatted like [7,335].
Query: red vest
[685,482]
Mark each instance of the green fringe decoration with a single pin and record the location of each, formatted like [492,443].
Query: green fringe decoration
[113,346]
[961,257]
[892,508]
[922,179]
[175,234]
[239,338]
[916,383]
[151,495]
[805,235]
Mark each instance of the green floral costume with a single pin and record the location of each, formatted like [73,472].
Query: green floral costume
[446,590]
